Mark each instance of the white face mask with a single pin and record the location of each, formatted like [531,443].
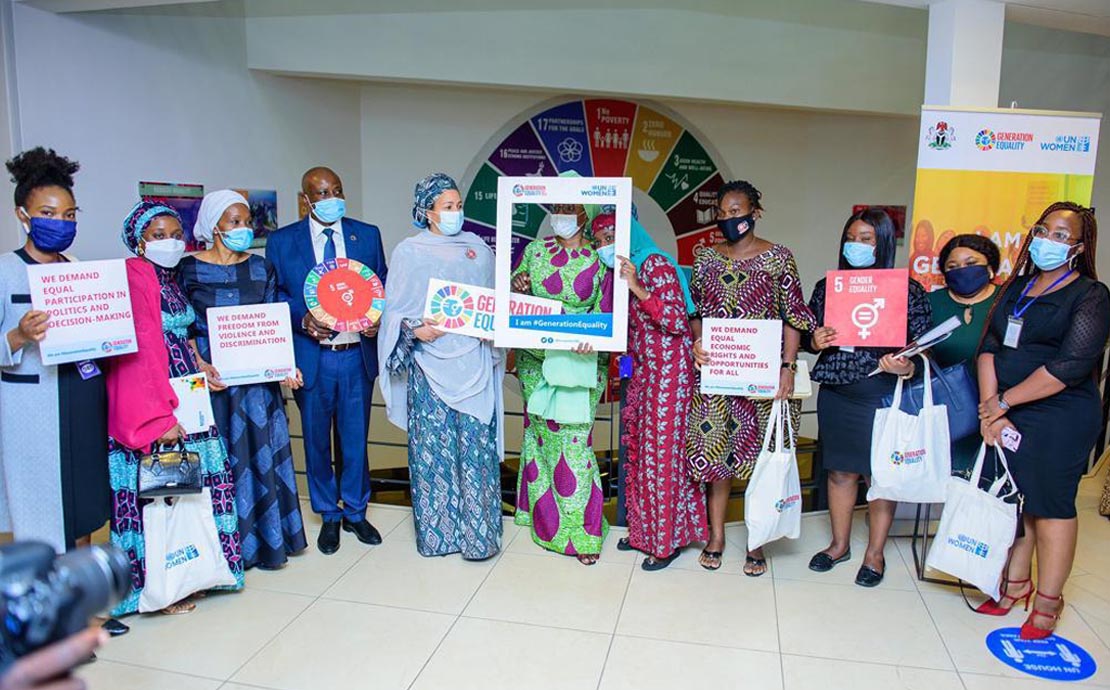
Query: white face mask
[564,225]
[165,253]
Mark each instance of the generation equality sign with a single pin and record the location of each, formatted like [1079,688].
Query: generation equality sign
[252,343]
[605,332]
[89,305]
[469,309]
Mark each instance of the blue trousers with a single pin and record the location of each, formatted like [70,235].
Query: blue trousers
[341,393]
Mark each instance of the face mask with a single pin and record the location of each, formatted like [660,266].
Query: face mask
[859,254]
[607,254]
[239,239]
[450,222]
[165,253]
[967,280]
[330,210]
[50,234]
[1048,255]
[564,225]
[735,228]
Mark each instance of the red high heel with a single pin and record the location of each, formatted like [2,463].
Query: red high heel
[995,608]
[1032,632]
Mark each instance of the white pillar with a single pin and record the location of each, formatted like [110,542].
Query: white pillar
[964,60]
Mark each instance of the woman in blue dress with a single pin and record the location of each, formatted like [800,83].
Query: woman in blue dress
[251,418]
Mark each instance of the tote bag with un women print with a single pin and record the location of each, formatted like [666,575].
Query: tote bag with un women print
[773,499]
[911,455]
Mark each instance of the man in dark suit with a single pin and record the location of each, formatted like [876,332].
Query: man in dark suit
[339,368]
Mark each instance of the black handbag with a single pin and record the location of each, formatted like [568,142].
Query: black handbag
[955,388]
[169,471]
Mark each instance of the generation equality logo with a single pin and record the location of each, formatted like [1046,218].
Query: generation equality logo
[529,190]
[990,140]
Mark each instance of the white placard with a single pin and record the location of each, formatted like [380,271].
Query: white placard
[252,343]
[745,356]
[89,304]
[194,403]
[606,332]
[468,309]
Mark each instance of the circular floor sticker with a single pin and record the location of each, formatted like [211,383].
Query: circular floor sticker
[1053,658]
[344,294]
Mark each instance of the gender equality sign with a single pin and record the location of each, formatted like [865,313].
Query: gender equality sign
[867,308]
[252,343]
[468,309]
[604,331]
[745,356]
[89,305]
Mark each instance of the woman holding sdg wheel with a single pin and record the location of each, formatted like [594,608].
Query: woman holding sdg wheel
[743,277]
[251,418]
[444,388]
[1038,369]
[848,398]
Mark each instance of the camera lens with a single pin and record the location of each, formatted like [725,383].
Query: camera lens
[100,577]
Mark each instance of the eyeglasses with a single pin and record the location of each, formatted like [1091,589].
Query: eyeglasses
[1061,236]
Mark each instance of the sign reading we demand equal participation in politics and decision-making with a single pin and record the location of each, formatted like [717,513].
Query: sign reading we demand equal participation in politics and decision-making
[991,173]
[605,332]
[89,308]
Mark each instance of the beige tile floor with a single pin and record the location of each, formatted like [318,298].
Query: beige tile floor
[386,618]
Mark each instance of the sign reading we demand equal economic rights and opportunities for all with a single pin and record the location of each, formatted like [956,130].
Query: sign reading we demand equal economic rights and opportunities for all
[605,332]
[89,309]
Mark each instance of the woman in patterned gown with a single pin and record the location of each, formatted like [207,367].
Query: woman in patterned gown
[744,277]
[141,402]
[251,418]
[559,486]
[665,507]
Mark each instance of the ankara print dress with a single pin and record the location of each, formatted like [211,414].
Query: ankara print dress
[665,507]
[724,432]
[559,486]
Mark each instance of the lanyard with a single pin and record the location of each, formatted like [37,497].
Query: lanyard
[1020,310]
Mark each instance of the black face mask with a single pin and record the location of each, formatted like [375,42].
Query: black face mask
[967,280]
[735,228]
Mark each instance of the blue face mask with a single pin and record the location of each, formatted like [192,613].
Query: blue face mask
[450,222]
[51,234]
[1048,255]
[239,239]
[330,210]
[607,254]
[859,254]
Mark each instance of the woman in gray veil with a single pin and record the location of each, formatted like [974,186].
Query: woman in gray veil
[444,388]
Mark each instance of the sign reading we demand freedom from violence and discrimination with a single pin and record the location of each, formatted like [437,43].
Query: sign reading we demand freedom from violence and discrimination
[992,172]
[468,309]
[605,332]
[744,356]
[89,308]
[252,343]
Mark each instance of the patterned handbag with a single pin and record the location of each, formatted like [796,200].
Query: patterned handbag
[169,471]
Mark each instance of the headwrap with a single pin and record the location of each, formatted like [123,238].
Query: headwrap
[139,218]
[212,209]
[641,246]
[602,220]
[426,193]
[592,210]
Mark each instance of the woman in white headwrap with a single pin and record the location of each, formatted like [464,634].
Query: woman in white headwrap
[444,388]
[251,418]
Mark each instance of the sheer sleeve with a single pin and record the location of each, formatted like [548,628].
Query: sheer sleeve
[1081,349]
[792,302]
[920,315]
[817,308]
[666,305]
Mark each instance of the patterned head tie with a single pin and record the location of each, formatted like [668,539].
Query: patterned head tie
[138,220]
[426,193]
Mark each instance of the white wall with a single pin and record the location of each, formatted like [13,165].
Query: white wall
[169,98]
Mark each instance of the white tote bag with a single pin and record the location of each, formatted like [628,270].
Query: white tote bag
[183,553]
[773,499]
[977,529]
[911,455]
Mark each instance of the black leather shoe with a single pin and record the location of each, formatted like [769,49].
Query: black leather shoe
[868,576]
[115,627]
[823,562]
[328,541]
[366,533]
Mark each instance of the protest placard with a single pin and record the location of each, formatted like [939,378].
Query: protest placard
[252,343]
[745,356]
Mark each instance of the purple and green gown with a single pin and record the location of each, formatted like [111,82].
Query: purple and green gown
[559,487]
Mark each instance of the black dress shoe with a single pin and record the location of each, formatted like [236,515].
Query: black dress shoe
[868,576]
[366,533]
[823,562]
[115,627]
[328,541]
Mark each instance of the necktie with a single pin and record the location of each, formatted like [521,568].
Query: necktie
[329,246]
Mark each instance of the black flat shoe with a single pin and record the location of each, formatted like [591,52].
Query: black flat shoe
[115,627]
[752,564]
[651,563]
[366,533]
[710,554]
[823,562]
[328,541]
[624,545]
[868,576]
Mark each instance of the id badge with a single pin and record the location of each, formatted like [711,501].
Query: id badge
[1013,332]
[847,348]
[1011,439]
[88,369]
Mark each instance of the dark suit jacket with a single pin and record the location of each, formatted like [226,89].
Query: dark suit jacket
[289,249]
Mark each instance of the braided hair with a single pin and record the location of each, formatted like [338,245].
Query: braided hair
[40,167]
[743,187]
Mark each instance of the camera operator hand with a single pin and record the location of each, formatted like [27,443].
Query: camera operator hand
[49,668]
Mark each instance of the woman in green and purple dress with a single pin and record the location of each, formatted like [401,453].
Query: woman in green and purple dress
[559,488]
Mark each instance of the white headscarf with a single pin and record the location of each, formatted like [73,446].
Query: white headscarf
[213,206]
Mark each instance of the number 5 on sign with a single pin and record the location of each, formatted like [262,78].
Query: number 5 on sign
[868,308]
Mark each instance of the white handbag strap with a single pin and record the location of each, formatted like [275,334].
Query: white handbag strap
[787,433]
[772,421]
[928,398]
[996,487]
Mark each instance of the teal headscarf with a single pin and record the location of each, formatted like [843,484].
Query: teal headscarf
[641,246]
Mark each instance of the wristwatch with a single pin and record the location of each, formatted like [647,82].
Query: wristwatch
[1002,404]
[792,366]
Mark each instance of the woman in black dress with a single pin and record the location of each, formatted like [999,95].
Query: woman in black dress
[848,398]
[1038,367]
